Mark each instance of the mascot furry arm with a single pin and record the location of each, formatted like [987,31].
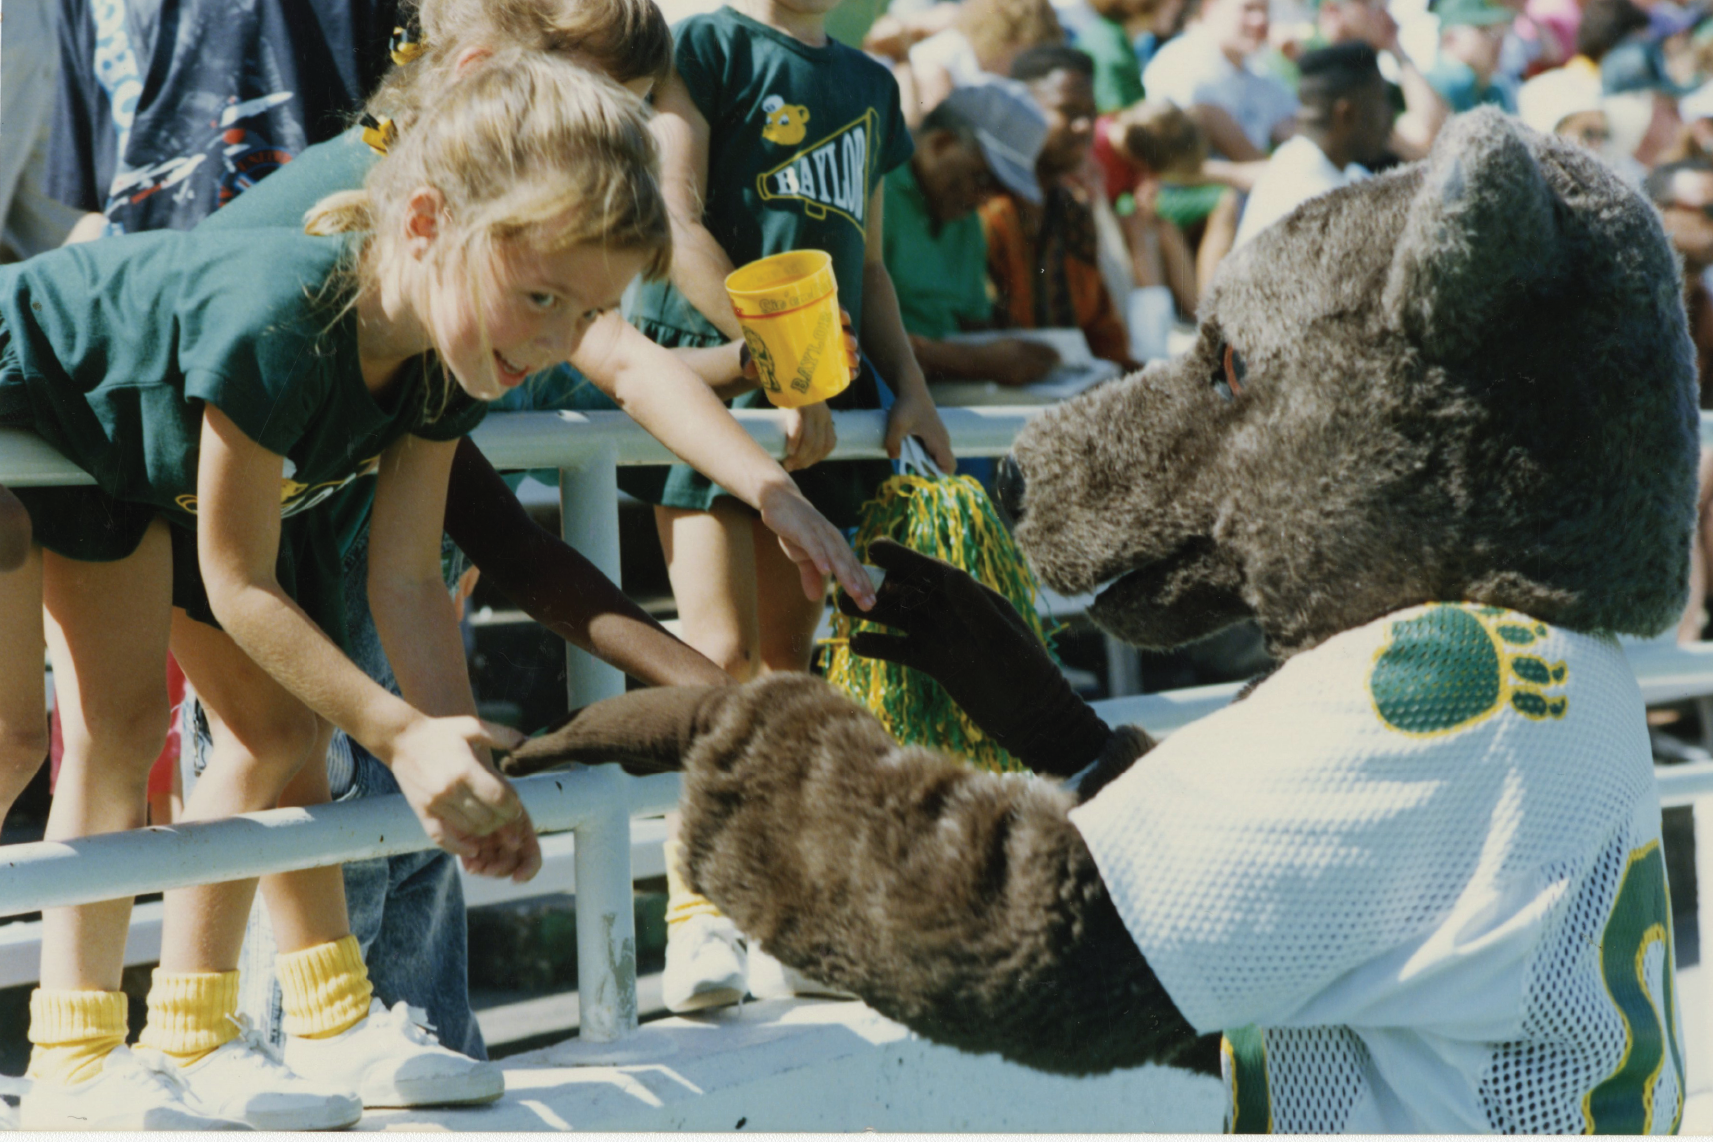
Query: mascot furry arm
[963,904]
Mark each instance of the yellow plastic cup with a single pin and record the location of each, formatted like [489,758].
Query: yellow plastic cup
[792,322]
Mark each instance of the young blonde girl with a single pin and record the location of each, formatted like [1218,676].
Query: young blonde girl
[627,40]
[487,244]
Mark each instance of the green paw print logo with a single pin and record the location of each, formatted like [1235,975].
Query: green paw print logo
[1455,665]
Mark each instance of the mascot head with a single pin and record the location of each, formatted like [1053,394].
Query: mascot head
[1470,379]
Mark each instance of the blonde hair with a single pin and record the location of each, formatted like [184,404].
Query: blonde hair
[625,40]
[525,146]
[996,27]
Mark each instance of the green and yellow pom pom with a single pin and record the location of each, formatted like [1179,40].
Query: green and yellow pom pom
[952,519]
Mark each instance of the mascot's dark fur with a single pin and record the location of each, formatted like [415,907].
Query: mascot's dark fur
[1466,380]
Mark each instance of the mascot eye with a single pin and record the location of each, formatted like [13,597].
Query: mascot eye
[1229,384]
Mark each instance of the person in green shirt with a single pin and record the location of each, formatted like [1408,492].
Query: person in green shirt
[1116,68]
[775,137]
[983,138]
[212,401]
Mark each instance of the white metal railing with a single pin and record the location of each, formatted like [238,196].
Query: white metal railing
[594,803]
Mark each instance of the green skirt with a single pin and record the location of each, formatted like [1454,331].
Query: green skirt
[88,523]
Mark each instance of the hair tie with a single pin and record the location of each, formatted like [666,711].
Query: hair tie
[378,134]
[404,46]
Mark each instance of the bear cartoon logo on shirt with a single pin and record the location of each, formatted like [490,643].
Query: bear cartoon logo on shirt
[784,122]
[831,174]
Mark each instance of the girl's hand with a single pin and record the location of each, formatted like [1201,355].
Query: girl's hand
[811,435]
[814,544]
[467,808]
[852,344]
[913,414]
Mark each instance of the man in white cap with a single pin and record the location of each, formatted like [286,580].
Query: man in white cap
[981,139]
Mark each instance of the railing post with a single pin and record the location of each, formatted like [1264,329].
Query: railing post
[603,914]
[591,525]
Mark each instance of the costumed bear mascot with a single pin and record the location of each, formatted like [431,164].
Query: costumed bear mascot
[1438,436]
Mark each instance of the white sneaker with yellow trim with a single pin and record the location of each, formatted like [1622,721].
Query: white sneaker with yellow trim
[704,965]
[137,1089]
[391,1059]
[245,1079]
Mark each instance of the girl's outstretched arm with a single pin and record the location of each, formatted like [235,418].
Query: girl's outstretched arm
[557,586]
[439,757]
[662,394]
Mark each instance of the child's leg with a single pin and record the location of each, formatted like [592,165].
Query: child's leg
[23,703]
[709,556]
[271,750]
[268,751]
[14,531]
[106,626]
[787,620]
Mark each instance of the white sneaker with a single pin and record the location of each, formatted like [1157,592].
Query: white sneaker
[769,979]
[704,965]
[137,1090]
[391,1060]
[245,1079]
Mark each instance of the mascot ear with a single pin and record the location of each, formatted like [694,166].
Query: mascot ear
[1481,231]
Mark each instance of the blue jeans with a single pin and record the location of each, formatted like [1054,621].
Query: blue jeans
[408,912]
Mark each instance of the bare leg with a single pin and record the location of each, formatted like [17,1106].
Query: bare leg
[710,566]
[14,531]
[787,620]
[106,627]
[263,738]
[23,703]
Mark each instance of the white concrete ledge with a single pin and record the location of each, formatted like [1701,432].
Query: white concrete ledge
[805,1065]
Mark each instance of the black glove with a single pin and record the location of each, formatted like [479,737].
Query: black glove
[646,731]
[974,643]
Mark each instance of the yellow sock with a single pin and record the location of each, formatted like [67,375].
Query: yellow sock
[325,989]
[73,1033]
[683,903]
[188,1013]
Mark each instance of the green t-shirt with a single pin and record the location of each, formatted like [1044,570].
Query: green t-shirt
[799,138]
[1115,68]
[115,345]
[939,271]
[337,164]
[850,20]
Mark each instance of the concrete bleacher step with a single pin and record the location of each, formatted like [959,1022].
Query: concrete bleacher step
[807,1065]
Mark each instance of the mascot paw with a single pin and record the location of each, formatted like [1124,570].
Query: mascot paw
[646,731]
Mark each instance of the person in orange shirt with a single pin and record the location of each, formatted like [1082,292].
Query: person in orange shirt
[1043,259]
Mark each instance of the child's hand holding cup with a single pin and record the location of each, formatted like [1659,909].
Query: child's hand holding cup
[797,336]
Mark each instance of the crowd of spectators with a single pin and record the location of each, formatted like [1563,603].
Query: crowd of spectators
[1178,129]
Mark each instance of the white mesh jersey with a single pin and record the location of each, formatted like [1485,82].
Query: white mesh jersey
[1416,878]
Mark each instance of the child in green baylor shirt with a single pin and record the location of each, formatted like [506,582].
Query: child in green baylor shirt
[220,387]
[774,138]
